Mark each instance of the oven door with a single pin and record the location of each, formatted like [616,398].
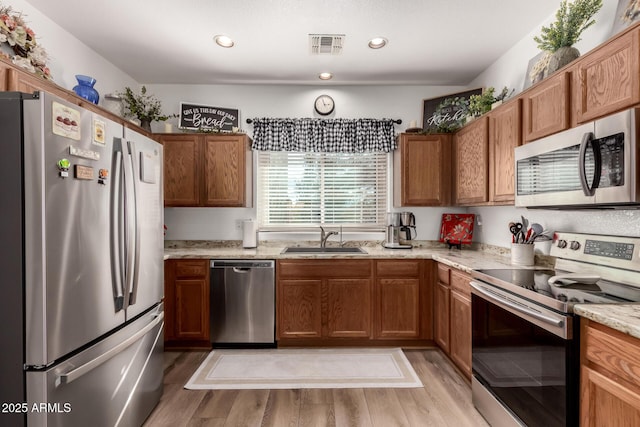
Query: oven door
[525,360]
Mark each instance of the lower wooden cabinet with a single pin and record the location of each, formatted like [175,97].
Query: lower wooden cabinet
[299,308]
[187,303]
[609,377]
[318,299]
[453,316]
[442,298]
[352,301]
[403,300]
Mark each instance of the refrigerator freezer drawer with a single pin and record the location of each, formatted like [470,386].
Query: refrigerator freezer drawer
[116,382]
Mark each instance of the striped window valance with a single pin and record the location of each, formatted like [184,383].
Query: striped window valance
[324,135]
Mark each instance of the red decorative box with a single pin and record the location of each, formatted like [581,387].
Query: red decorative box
[457,228]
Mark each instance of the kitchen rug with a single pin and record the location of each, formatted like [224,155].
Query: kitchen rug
[305,368]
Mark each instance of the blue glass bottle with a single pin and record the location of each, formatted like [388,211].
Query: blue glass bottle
[85,88]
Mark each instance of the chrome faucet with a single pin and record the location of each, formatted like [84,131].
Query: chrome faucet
[324,236]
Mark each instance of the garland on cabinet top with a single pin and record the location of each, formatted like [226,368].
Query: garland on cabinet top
[324,135]
[17,38]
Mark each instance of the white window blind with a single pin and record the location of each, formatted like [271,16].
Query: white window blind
[298,189]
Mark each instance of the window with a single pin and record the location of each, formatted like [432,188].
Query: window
[304,189]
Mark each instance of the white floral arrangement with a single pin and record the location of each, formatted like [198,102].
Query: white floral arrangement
[28,54]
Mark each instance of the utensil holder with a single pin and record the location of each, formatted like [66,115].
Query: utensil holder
[522,254]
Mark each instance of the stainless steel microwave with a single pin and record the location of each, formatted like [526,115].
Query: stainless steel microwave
[593,165]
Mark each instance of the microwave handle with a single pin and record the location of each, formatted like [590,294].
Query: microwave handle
[587,139]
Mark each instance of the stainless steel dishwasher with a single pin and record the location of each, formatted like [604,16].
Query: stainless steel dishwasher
[242,303]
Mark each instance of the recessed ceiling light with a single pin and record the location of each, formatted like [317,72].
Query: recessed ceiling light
[325,76]
[224,41]
[377,42]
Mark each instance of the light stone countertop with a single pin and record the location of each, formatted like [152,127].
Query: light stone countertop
[466,259]
[621,317]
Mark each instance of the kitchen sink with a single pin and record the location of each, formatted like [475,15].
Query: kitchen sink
[317,250]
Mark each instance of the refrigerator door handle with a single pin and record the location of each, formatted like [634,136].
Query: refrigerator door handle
[117,232]
[78,372]
[129,217]
[133,289]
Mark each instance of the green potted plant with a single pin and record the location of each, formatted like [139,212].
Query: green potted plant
[481,104]
[572,18]
[144,107]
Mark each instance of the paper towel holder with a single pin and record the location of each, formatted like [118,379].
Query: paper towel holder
[249,234]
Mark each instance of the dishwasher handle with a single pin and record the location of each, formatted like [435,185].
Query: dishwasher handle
[241,266]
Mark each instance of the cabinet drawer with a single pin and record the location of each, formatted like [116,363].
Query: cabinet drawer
[443,273]
[324,269]
[398,268]
[618,353]
[460,282]
[196,268]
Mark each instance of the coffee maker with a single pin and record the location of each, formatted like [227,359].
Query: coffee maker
[407,226]
[397,232]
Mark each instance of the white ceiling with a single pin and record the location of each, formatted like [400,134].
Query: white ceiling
[432,42]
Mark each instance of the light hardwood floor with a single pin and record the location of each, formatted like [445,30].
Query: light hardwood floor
[445,400]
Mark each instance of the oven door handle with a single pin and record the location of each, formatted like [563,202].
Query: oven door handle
[487,294]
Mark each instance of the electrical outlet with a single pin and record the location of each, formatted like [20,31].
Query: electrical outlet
[239,224]
[478,220]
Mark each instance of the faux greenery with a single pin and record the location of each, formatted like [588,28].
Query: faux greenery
[143,106]
[572,18]
[480,104]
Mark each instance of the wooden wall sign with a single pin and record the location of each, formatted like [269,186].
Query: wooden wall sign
[205,117]
[445,111]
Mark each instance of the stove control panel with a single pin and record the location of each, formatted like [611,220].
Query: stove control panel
[613,251]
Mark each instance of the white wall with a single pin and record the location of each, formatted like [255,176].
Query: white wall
[69,56]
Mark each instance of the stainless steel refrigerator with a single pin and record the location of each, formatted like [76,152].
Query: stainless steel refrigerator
[81,264]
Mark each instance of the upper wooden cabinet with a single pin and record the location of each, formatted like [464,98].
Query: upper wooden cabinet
[505,133]
[227,170]
[182,164]
[422,170]
[471,163]
[546,107]
[608,79]
[207,170]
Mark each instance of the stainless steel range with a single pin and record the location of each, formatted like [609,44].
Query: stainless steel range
[525,342]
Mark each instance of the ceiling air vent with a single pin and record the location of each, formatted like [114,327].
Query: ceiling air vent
[326,44]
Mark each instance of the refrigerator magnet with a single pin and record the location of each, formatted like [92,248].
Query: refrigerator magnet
[99,127]
[65,121]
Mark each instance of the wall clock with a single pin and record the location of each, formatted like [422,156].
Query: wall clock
[324,105]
